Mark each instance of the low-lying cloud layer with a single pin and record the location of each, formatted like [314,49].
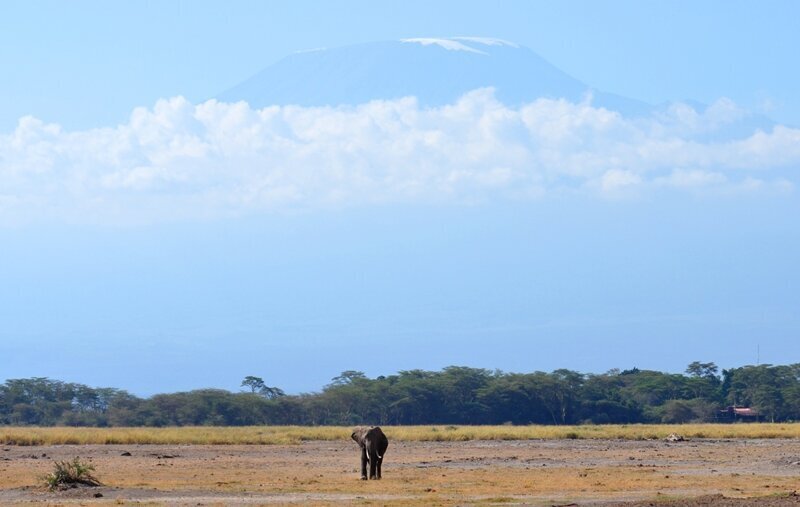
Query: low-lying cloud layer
[179,160]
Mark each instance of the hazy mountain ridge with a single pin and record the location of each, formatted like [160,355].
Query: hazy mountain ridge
[438,71]
[435,71]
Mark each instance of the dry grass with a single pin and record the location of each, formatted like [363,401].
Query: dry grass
[543,472]
[296,434]
[624,432]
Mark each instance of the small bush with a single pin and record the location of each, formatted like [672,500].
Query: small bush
[70,474]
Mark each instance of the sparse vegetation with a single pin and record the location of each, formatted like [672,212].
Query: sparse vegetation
[70,474]
[422,473]
[287,435]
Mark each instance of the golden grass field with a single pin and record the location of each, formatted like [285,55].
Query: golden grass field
[280,435]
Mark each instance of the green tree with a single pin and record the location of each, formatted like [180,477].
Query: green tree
[271,393]
[348,377]
[677,411]
[702,370]
[255,384]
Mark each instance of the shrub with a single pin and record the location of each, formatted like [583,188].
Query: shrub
[70,474]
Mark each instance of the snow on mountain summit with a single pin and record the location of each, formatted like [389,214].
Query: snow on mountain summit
[488,41]
[449,44]
[461,43]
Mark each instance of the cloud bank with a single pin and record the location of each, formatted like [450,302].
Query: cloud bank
[179,160]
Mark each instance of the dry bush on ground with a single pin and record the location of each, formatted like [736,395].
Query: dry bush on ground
[70,474]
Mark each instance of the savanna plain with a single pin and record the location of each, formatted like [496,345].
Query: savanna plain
[714,465]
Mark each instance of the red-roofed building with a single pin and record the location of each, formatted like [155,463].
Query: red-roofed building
[733,413]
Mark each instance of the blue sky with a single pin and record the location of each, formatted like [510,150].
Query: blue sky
[84,64]
[144,245]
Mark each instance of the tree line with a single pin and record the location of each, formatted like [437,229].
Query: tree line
[453,395]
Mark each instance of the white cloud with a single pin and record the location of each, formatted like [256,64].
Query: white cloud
[615,180]
[181,160]
[692,179]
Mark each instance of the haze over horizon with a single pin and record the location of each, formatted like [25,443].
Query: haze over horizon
[449,200]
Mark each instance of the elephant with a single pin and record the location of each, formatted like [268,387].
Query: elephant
[373,445]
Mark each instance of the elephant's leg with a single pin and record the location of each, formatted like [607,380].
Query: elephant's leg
[380,461]
[363,464]
[373,465]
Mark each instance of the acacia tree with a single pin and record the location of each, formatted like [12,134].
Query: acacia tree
[347,377]
[256,384]
[703,380]
[702,370]
[271,393]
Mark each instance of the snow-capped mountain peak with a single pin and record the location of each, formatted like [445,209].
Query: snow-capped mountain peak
[435,70]
[449,44]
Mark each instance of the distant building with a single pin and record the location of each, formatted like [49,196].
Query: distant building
[741,414]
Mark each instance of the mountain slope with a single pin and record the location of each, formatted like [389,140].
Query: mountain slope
[436,71]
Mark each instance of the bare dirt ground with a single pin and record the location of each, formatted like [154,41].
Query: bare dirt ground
[552,472]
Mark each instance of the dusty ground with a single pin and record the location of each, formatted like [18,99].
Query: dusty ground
[553,472]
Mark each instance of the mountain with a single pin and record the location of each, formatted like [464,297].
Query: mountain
[436,71]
